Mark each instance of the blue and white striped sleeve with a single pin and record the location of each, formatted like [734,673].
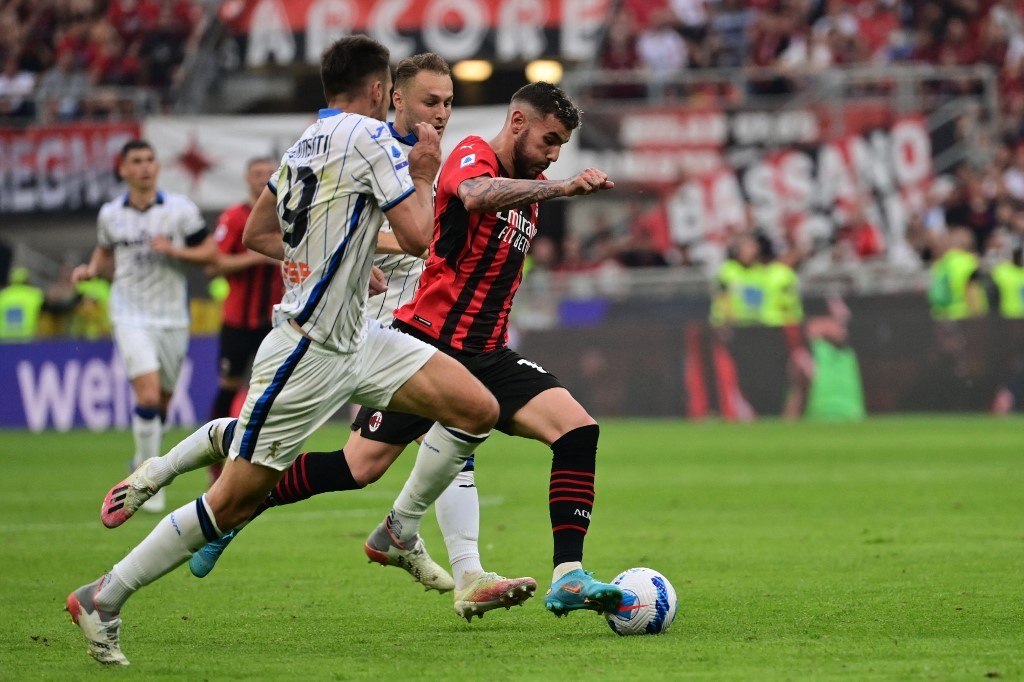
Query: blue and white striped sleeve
[387,166]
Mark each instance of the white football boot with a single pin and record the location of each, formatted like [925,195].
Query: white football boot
[102,629]
[386,550]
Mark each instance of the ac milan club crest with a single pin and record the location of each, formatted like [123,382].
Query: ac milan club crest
[375,420]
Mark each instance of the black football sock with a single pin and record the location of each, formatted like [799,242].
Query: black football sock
[312,473]
[571,492]
[222,403]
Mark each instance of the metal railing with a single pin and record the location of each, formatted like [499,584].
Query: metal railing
[201,69]
[943,94]
[104,103]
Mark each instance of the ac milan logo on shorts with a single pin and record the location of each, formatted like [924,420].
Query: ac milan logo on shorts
[375,421]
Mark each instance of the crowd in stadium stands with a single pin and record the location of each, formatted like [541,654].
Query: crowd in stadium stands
[665,37]
[66,59]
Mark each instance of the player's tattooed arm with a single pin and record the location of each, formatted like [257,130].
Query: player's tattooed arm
[490,195]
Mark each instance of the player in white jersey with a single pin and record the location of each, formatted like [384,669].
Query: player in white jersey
[145,236]
[423,94]
[332,187]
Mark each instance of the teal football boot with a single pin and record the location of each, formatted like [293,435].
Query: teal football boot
[580,590]
[205,558]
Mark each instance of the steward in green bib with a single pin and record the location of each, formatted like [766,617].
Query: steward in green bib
[20,306]
[782,306]
[1009,279]
[91,319]
[955,292]
[740,296]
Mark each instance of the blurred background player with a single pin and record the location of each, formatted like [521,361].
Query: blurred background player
[255,287]
[144,238]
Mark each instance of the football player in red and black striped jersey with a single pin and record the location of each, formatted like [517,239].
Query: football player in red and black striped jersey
[488,195]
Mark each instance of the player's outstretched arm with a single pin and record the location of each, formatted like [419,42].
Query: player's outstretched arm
[413,219]
[490,195]
[263,229]
[387,243]
[230,263]
[203,253]
[101,264]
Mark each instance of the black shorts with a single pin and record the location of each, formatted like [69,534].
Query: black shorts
[238,347]
[512,379]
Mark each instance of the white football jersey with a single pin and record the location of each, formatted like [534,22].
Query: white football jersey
[332,189]
[401,271]
[149,288]
[402,274]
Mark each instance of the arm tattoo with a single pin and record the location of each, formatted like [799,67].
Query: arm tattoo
[490,195]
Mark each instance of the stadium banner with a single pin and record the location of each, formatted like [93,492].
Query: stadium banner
[802,173]
[60,167]
[276,32]
[65,384]
[204,157]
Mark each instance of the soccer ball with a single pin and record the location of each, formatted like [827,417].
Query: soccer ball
[648,606]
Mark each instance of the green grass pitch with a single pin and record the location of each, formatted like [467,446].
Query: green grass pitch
[892,549]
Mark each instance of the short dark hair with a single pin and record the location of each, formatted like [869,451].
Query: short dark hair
[427,61]
[131,145]
[346,65]
[547,99]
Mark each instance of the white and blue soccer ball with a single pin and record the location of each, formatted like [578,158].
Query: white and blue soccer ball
[649,603]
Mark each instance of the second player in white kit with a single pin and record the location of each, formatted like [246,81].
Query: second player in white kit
[144,239]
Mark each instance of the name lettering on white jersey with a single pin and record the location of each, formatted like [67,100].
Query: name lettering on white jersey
[331,194]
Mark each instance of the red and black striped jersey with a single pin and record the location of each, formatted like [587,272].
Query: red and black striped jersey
[476,259]
[253,291]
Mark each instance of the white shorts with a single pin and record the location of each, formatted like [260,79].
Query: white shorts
[298,384]
[152,349]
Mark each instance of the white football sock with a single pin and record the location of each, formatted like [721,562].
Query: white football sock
[169,545]
[458,516]
[200,449]
[441,456]
[562,569]
[148,432]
